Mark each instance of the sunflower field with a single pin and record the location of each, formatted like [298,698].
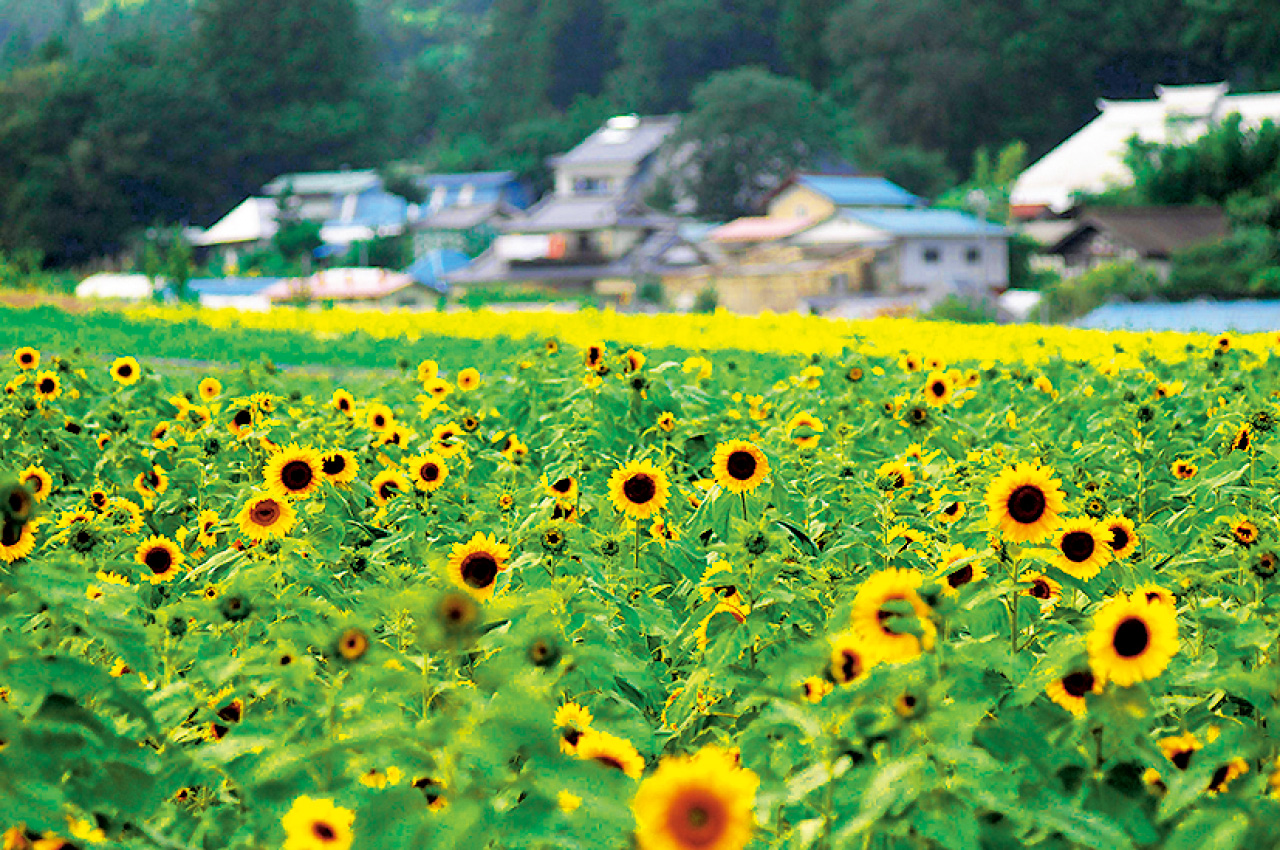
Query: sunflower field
[577,592]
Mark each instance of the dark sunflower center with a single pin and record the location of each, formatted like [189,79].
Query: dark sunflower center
[333,464]
[479,570]
[611,761]
[640,489]
[938,388]
[18,502]
[952,509]
[10,534]
[562,486]
[919,414]
[153,479]
[429,472]
[697,821]
[1077,684]
[1040,589]
[960,577]
[1182,759]
[1242,442]
[1027,504]
[1219,777]
[265,512]
[571,736]
[296,475]
[388,489]
[1077,546]
[323,831]
[27,359]
[158,560]
[379,421]
[230,712]
[243,418]
[48,385]
[1131,638]
[741,465]
[125,370]
[1119,537]
[344,404]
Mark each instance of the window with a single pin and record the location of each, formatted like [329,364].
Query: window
[582,243]
[839,283]
[972,255]
[437,198]
[467,195]
[931,255]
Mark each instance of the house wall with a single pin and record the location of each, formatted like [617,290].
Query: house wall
[768,284]
[610,179]
[952,270]
[799,201]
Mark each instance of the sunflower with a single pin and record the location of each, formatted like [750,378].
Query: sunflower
[16,540]
[1023,502]
[125,371]
[26,358]
[953,578]
[1244,531]
[352,644]
[667,421]
[572,721]
[161,556]
[564,489]
[123,514]
[1179,749]
[474,565]
[317,825]
[38,481]
[739,466]
[938,389]
[1183,469]
[639,489]
[1132,640]
[736,612]
[1042,588]
[1083,548]
[427,370]
[1265,566]
[700,802]
[1156,594]
[815,688]
[910,362]
[343,402]
[514,449]
[388,484]
[1222,343]
[266,516]
[804,429]
[610,751]
[294,472]
[104,439]
[241,421]
[153,482]
[950,512]
[209,389]
[447,439]
[205,523]
[428,471]
[1069,691]
[48,386]
[894,475]
[853,375]
[1123,539]
[1243,440]
[379,418]
[594,356]
[438,388]
[1222,777]
[886,600]
[17,504]
[339,466]
[468,379]
[849,659]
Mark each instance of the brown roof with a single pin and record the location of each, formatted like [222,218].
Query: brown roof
[1153,231]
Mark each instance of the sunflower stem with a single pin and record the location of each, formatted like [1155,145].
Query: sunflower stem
[743,494]
[637,546]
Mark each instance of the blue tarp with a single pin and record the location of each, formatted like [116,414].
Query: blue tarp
[432,266]
[1204,316]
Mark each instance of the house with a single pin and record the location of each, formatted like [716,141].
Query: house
[430,268]
[1201,316]
[1092,160]
[1148,236]
[463,210]
[129,287]
[819,196]
[249,227]
[354,287]
[234,293]
[592,235]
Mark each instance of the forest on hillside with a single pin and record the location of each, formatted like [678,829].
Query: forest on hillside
[123,114]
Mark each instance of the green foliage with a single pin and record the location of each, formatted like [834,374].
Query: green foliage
[1070,298]
[297,239]
[748,130]
[706,300]
[956,308]
[1241,265]
[384,252]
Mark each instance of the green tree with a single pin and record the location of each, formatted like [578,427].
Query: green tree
[748,130]
[803,23]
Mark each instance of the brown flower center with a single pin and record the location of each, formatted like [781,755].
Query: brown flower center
[323,831]
[1040,589]
[125,370]
[1027,504]
[741,465]
[1119,537]
[47,386]
[1131,638]
[429,472]
[388,489]
[243,418]
[265,512]
[938,389]
[640,489]
[10,534]
[1182,759]
[564,485]
[1077,684]
[296,475]
[158,560]
[697,818]
[1077,546]
[960,577]
[479,570]
[333,464]
[850,666]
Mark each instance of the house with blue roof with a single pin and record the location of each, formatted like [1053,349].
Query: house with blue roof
[463,211]
[819,196]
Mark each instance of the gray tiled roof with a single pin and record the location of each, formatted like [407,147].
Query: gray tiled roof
[324,183]
[465,218]
[607,145]
[586,213]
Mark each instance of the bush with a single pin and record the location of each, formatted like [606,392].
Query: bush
[1241,265]
[707,301]
[956,308]
[1071,298]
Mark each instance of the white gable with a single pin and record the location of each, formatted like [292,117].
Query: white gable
[254,219]
[1093,159]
